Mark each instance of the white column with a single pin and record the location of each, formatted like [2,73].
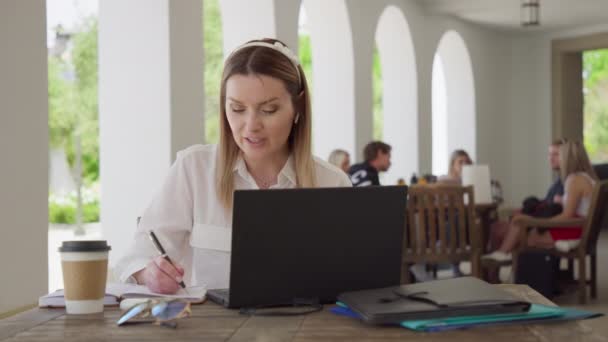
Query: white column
[243,21]
[400,93]
[151,103]
[286,19]
[363,18]
[24,153]
[333,66]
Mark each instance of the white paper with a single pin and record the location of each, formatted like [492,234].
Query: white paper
[479,177]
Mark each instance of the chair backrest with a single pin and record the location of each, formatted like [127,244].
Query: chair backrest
[597,216]
[441,223]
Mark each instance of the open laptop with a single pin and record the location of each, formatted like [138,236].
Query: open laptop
[294,245]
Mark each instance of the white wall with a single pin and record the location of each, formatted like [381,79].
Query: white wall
[23,152]
[151,103]
[530,115]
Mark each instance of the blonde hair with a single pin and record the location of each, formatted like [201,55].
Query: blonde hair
[573,158]
[454,156]
[262,60]
[337,157]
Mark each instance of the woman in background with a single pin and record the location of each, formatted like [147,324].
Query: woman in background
[458,159]
[579,180]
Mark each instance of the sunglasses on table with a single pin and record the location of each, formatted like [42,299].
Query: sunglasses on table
[160,312]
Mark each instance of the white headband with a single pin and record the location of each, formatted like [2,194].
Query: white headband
[277,46]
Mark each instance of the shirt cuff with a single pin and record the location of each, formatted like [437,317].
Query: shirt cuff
[126,274]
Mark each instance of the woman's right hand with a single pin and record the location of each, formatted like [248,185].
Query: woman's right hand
[160,276]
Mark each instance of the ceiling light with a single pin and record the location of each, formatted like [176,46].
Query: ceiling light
[530,12]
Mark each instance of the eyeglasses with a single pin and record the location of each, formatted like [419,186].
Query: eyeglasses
[160,312]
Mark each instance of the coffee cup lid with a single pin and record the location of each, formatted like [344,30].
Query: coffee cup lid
[84,246]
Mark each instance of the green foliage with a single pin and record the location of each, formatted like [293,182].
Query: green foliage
[61,111]
[595,67]
[305,52]
[214,59]
[377,87]
[66,213]
[62,207]
[595,129]
[73,100]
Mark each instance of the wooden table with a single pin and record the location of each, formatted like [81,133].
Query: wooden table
[211,322]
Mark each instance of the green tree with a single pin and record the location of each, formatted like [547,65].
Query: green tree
[377,87]
[72,87]
[214,59]
[61,111]
[305,52]
[86,104]
[595,122]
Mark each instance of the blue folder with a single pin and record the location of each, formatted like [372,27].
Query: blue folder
[537,314]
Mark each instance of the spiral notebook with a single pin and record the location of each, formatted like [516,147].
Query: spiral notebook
[115,292]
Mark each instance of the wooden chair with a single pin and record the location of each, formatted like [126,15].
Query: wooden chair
[440,228]
[592,225]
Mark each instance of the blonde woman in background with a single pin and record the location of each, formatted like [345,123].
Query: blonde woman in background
[341,159]
[579,180]
[458,159]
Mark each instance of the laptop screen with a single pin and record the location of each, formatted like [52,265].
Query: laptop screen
[314,243]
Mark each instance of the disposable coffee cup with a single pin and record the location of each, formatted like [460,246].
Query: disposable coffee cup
[85,269]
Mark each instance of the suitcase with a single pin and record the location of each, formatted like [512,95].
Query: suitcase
[539,270]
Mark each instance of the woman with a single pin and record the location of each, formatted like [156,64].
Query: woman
[341,159]
[579,180]
[458,159]
[265,142]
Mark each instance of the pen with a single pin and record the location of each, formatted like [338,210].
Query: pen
[162,252]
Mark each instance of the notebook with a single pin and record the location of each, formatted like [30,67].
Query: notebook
[115,292]
[465,296]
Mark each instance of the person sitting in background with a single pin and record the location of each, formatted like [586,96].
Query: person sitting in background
[579,180]
[556,191]
[458,159]
[377,157]
[553,197]
[341,159]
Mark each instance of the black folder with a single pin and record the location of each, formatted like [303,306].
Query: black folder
[465,296]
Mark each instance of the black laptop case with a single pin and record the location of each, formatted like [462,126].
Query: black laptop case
[466,296]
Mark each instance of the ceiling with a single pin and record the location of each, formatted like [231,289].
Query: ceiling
[505,14]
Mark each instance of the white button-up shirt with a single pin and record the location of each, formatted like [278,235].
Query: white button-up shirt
[192,224]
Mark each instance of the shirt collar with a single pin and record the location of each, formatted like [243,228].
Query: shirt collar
[287,172]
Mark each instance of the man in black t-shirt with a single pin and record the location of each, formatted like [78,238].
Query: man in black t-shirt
[377,157]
